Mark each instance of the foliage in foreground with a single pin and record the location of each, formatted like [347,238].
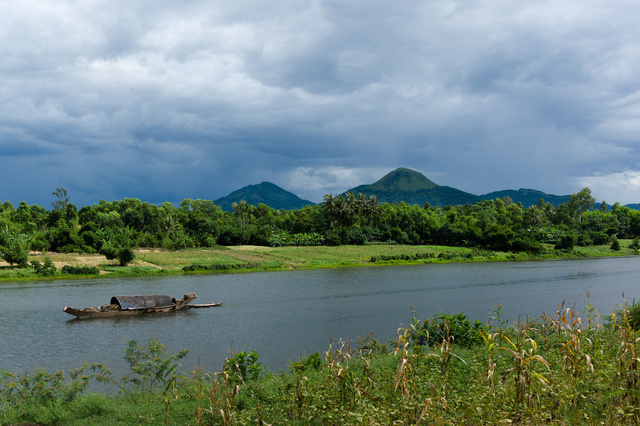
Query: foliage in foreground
[557,369]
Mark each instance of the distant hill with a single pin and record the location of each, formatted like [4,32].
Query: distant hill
[414,188]
[266,193]
[528,197]
[400,185]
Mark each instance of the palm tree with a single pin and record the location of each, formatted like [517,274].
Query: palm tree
[351,206]
[361,207]
[373,209]
[343,209]
[329,208]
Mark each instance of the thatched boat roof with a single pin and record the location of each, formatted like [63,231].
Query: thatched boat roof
[142,302]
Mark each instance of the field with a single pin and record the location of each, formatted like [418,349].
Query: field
[255,258]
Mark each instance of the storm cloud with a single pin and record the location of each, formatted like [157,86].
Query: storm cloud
[168,100]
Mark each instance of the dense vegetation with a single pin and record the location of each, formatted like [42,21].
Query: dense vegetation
[113,228]
[558,369]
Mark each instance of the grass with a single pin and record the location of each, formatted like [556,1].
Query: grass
[564,369]
[151,263]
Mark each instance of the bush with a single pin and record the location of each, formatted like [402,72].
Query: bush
[333,239]
[566,243]
[46,270]
[125,256]
[109,251]
[464,331]
[243,366]
[283,238]
[80,270]
[600,238]
[356,237]
[312,362]
[615,245]
[634,316]
[14,247]
[417,256]
[220,267]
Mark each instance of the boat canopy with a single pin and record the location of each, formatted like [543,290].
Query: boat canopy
[142,302]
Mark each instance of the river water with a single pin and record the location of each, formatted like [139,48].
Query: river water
[284,315]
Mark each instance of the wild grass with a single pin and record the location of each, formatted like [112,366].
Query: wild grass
[565,368]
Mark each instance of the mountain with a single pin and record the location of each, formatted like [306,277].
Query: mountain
[414,188]
[528,197]
[266,193]
[401,185]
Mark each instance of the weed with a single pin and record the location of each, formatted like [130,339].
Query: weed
[152,365]
[243,366]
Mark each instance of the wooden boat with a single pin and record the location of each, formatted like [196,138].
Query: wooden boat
[124,306]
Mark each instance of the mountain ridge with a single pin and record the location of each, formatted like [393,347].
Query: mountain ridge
[266,193]
[399,185]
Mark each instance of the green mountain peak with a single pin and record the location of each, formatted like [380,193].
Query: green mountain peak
[402,179]
[266,193]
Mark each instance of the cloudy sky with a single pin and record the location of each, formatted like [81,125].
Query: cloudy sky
[165,100]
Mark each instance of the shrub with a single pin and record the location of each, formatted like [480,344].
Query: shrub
[14,247]
[151,365]
[634,316]
[566,243]
[109,251]
[80,270]
[333,239]
[464,331]
[125,256]
[416,256]
[243,366]
[220,267]
[311,362]
[46,270]
[284,238]
[600,238]
[615,245]
[356,237]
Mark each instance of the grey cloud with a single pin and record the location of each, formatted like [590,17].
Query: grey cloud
[195,99]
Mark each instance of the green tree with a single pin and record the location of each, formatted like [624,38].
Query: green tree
[581,202]
[14,247]
[125,256]
[62,199]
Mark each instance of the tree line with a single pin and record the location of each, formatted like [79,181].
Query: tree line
[500,224]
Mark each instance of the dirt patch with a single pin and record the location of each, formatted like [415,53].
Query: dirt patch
[75,259]
[245,248]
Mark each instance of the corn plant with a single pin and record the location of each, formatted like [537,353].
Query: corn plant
[523,350]
[338,365]
[628,356]
[403,376]
[489,340]
[216,400]
[444,354]
[575,359]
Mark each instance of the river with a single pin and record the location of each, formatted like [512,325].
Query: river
[284,315]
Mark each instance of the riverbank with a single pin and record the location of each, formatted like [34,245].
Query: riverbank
[257,258]
[560,369]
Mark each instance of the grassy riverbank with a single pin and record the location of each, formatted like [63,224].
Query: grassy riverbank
[563,369]
[255,258]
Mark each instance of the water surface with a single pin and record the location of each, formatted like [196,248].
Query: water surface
[284,315]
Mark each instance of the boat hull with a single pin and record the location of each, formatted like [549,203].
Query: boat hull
[89,313]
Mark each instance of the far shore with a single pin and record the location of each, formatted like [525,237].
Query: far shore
[240,259]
